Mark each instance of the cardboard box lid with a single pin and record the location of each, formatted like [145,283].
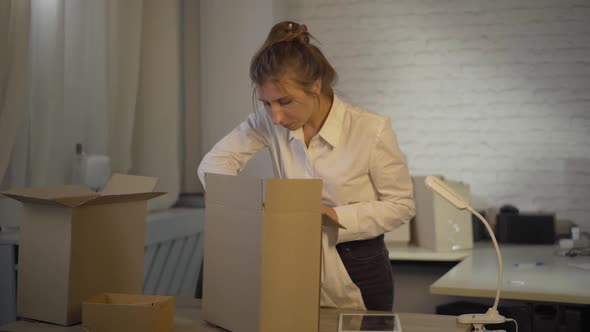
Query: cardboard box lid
[244,192]
[70,196]
[285,195]
[122,184]
[292,194]
[120,188]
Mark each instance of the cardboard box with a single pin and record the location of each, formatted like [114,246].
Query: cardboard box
[128,313]
[262,254]
[438,225]
[75,243]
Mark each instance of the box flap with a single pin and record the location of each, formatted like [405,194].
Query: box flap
[70,196]
[327,221]
[25,199]
[242,192]
[289,195]
[110,199]
[120,184]
[128,299]
[75,201]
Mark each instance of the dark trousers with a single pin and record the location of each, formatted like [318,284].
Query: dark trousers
[367,264]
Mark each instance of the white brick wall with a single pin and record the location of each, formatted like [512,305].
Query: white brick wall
[493,93]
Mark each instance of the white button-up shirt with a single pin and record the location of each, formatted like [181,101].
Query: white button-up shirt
[364,174]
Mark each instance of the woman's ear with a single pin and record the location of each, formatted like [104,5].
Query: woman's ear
[317,86]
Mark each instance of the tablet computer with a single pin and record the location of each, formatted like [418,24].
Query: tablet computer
[366,322]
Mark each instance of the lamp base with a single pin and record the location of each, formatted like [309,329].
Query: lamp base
[481,328]
[478,320]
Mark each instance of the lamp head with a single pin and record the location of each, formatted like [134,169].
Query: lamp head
[440,187]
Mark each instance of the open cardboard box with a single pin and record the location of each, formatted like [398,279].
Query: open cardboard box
[262,253]
[128,313]
[75,243]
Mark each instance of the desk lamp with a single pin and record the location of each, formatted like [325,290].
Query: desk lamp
[491,316]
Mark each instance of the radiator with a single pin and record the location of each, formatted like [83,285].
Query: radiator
[173,252]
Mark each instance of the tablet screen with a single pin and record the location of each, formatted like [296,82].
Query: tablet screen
[360,322]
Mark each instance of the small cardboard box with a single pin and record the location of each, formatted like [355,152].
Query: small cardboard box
[128,313]
[75,243]
[262,254]
[438,225]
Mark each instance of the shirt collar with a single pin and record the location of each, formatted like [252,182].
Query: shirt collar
[332,127]
[296,134]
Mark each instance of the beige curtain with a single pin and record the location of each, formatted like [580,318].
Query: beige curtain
[190,115]
[124,52]
[144,76]
[156,131]
[102,73]
[69,95]
[14,74]
[14,57]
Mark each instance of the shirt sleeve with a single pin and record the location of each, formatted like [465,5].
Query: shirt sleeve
[395,199]
[231,153]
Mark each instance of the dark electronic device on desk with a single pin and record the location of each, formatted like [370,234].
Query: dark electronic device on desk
[524,228]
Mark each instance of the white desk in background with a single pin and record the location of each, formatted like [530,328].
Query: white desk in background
[414,270]
[555,279]
[415,253]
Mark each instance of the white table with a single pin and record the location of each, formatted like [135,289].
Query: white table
[416,253]
[559,279]
[187,319]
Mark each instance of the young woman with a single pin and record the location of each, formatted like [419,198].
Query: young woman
[311,133]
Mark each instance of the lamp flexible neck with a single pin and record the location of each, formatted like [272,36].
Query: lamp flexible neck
[498,253]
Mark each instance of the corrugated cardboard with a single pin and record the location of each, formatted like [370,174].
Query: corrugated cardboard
[262,254]
[75,243]
[128,313]
[438,225]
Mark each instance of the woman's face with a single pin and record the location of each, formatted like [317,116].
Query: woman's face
[286,103]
